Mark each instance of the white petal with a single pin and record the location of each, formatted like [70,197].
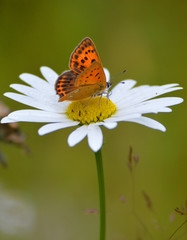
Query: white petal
[59,107]
[33,81]
[167,101]
[107,74]
[78,135]
[170,85]
[22,99]
[50,75]
[148,122]
[37,116]
[121,89]
[163,102]
[23,88]
[142,110]
[7,120]
[122,117]
[143,93]
[48,128]
[150,106]
[110,125]
[44,93]
[95,137]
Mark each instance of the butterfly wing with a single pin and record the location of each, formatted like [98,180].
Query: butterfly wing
[83,56]
[91,76]
[86,77]
[65,83]
[81,92]
[73,87]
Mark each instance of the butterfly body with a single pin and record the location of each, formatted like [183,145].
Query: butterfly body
[86,77]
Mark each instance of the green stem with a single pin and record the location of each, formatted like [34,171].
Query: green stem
[102,210]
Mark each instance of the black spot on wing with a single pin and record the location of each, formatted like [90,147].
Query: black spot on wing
[75,64]
[82,67]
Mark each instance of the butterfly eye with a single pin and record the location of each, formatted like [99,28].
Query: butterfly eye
[108,85]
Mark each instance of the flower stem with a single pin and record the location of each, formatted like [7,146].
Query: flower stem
[102,210]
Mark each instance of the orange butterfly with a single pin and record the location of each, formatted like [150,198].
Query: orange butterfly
[86,77]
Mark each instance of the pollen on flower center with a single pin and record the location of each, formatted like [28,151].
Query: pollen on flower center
[96,110]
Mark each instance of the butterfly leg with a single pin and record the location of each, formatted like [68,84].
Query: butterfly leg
[100,100]
[108,94]
[88,101]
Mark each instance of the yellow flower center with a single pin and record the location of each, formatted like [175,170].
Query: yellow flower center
[91,111]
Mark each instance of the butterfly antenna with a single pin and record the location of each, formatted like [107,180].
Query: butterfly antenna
[118,74]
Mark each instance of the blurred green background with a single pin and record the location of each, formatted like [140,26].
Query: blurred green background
[59,183]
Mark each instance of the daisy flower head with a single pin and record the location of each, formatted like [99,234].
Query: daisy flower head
[126,103]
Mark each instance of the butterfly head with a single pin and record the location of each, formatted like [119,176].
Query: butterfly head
[108,85]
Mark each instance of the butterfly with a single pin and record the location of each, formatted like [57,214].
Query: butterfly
[86,77]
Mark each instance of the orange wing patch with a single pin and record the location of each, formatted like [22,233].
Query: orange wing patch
[92,75]
[83,56]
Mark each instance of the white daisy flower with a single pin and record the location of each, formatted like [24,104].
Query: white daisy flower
[127,103]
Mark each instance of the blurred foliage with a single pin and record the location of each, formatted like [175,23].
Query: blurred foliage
[10,133]
[148,38]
